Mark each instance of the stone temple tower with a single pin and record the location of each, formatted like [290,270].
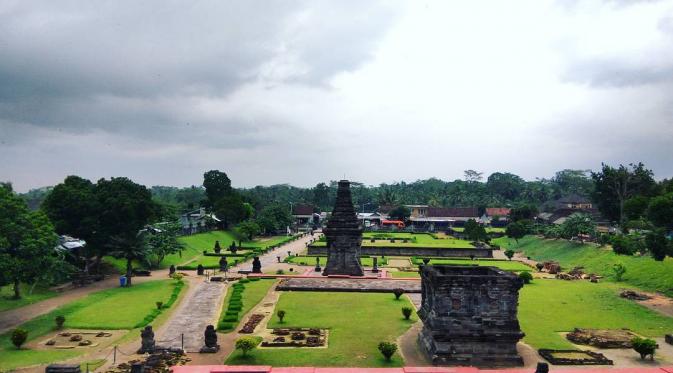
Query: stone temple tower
[344,236]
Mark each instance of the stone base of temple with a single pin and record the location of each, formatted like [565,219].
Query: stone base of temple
[489,351]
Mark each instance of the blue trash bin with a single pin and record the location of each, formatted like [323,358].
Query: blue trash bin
[122,281]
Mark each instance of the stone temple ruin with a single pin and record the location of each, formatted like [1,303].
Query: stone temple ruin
[344,236]
[469,316]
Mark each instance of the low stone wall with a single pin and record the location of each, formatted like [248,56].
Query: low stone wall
[413,251]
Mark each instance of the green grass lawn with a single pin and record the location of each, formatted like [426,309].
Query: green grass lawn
[415,240]
[642,271]
[310,260]
[7,292]
[404,274]
[253,294]
[353,335]
[194,246]
[547,307]
[118,308]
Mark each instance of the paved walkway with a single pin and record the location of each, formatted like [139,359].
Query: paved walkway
[200,309]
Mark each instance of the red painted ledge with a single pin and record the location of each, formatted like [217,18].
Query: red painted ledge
[269,369]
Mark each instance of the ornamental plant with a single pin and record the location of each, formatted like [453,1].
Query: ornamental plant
[387,349]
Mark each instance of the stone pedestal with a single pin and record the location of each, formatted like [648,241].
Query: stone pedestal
[344,236]
[469,316]
[256,265]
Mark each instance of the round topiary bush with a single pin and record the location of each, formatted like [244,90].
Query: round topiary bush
[60,320]
[406,312]
[526,277]
[19,337]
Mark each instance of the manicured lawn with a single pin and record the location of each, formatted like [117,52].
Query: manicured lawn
[118,308]
[642,271]
[310,260]
[404,274]
[414,240]
[502,264]
[547,307]
[357,322]
[253,294]
[7,292]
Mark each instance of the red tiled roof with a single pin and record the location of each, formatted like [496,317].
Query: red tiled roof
[466,212]
[497,211]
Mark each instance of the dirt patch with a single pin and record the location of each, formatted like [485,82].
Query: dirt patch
[659,303]
[612,338]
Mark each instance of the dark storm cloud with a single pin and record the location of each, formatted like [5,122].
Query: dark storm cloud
[135,67]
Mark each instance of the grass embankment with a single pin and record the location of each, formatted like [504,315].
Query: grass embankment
[309,260]
[353,335]
[547,307]
[118,308]
[251,292]
[642,271]
[488,229]
[7,293]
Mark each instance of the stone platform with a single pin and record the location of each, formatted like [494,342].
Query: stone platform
[348,285]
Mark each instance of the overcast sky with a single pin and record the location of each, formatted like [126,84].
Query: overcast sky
[301,92]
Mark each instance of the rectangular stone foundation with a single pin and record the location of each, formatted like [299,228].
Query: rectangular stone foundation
[469,316]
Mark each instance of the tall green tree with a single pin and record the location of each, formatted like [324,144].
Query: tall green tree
[577,224]
[657,244]
[475,231]
[27,243]
[516,230]
[614,186]
[507,185]
[660,211]
[162,242]
[126,208]
[218,186]
[73,208]
[401,213]
[274,217]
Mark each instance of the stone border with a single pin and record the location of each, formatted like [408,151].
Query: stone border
[598,358]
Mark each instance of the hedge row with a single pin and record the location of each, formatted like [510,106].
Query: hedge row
[232,315]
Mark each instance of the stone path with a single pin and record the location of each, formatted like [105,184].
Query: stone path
[348,284]
[399,263]
[200,309]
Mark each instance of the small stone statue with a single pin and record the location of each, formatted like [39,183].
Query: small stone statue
[317,264]
[542,368]
[224,265]
[147,343]
[171,270]
[375,268]
[210,340]
[199,270]
[256,265]
[278,259]
[217,247]
[426,261]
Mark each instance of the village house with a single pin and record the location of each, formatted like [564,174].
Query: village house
[197,221]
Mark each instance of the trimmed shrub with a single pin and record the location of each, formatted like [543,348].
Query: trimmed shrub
[19,337]
[246,344]
[526,277]
[406,312]
[281,315]
[225,326]
[243,281]
[60,320]
[387,349]
[230,319]
[398,293]
[645,346]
